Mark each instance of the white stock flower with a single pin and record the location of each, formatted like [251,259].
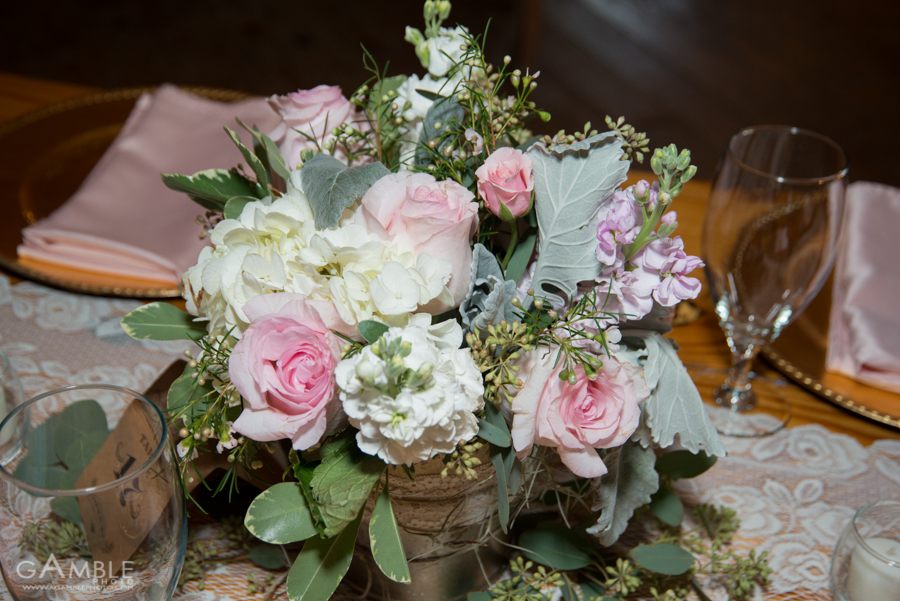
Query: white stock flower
[445,50]
[273,246]
[413,407]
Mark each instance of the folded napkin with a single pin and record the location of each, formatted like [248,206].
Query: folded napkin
[864,332]
[123,220]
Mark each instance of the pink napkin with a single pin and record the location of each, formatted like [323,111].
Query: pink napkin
[123,220]
[864,333]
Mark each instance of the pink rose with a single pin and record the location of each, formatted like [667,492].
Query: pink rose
[505,180]
[313,112]
[437,218]
[283,366]
[598,413]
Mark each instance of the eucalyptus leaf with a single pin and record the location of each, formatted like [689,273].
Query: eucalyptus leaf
[384,536]
[41,446]
[371,330]
[684,464]
[185,391]
[80,452]
[429,94]
[66,508]
[666,505]
[280,515]
[572,184]
[212,188]
[270,557]
[518,263]
[80,419]
[498,460]
[674,407]
[343,481]
[162,321]
[479,596]
[260,170]
[444,111]
[663,558]
[492,434]
[628,485]
[554,547]
[321,565]
[235,206]
[331,186]
[591,591]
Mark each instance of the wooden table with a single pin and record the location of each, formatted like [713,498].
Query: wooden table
[702,342]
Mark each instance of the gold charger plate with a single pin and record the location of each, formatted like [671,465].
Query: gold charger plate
[799,353]
[44,157]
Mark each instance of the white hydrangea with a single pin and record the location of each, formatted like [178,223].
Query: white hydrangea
[274,246]
[413,394]
[419,106]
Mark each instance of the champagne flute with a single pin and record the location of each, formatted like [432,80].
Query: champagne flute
[770,236]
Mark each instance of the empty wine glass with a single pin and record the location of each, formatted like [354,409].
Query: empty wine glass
[770,237]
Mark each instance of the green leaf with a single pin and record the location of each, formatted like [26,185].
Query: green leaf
[79,419]
[280,515]
[666,505]
[572,184]
[674,407]
[591,591]
[442,112]
[384,535]
[268,152]
[80,453]
[162,321]
[212,188]
[629,484]
[321,565]
[331,186]
[262,174]
[235,206]
[684,464]
[493,434]
[429,94]
[663,559]
[66,508]
[568,591]
[555,546]
[518,263]
[270,557]
[498,460]
[186,390]
[479,596]
[343,481]
[372,330]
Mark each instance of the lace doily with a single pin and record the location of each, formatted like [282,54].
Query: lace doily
[794,491]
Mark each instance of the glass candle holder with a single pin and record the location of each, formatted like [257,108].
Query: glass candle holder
[11,396]
[866,561]
[91,505]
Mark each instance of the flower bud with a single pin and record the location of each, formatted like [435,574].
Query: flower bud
[641,188]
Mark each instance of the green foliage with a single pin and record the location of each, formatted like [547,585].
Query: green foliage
[235,206]
[260,170]
[342,482]
[213,188]
[492,434]
[384,537]
[321,565]
[270,557]
[555,546]
[518,261]
[280,515]
[371,330]
[666,506]
[571,184]
[331,186]
[441,124]
[162,321]
[663,558]
[684,464]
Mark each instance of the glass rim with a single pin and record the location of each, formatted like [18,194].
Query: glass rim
[80,492]
[862,542]
[746,131]
[5,363]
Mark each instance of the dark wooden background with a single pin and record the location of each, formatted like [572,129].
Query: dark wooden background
[686,71]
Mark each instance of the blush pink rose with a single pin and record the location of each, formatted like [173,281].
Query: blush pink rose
[437,218]
[506,179]
[283,366]
[314,112]
[598,413]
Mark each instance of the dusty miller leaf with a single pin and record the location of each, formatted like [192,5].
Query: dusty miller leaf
[572,183]
[488,300]
[342,482]
[629,484]
[674,407]
[331,186]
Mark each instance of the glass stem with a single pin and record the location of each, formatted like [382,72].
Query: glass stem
[736,393]
[741,364]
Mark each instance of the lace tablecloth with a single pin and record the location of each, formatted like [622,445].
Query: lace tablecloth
[794,492]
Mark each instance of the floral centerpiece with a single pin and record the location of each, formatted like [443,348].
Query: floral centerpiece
[409,275]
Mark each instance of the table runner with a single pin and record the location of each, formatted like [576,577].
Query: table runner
[794,491]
